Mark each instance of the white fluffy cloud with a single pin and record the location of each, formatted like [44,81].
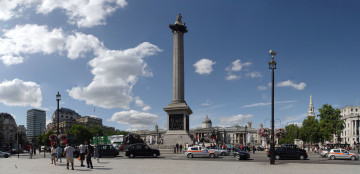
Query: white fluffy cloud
[254,74]
[290,83]
[20,93]
[204,66]
[135,119]
[115,72]
[141,103]
[31,39]
[261,88]
[235,66]
[83,13]
[235,119]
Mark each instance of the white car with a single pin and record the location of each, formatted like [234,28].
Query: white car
[341,154]
[198,151]
[4,154]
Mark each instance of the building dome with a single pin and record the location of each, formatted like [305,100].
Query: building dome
[207,123]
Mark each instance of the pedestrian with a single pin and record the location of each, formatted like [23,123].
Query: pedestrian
[34,151]
[174,148]
[96,153]
[59,152]
[69,154]
[90,151]
[82,154]
[177,148]
[254,149]
[180,147]
[53,154]
[31,153]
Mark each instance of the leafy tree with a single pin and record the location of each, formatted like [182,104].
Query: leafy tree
[96,130]
[291,131]
[330,122]
[309,132]
[81,132]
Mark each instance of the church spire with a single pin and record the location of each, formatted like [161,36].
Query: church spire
[311,108]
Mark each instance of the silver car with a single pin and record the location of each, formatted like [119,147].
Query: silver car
[4,154]
[341,154]
[223,152]
[198,151]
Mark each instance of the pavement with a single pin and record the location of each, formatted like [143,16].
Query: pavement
[167,163]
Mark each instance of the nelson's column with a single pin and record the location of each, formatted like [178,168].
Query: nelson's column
[178,111]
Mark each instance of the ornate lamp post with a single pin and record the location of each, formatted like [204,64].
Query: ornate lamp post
[58,98]
[272,66]
[358,132]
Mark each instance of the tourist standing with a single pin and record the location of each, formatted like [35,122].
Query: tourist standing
[96,153]
[82,154]
[31,153]
[69,154]
[177,148]
[90,151]
[59,152]
[254,149]
[53,155]
[180,147]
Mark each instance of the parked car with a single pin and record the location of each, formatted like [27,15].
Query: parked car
[260,148]
[5,154]
[240,155]
[141,149]
[198,151]
[289,152]
[223,152]
[107,150]
[341,154]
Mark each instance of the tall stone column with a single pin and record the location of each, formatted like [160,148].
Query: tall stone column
[178,111]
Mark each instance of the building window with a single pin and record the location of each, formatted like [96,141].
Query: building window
[351,110]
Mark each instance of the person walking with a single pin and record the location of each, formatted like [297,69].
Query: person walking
[82,154]
[180,147]
[96,153]
[254,149]
[69,154]
[90,151]
[177,148]
[53,155]
[59,153]
[174,149]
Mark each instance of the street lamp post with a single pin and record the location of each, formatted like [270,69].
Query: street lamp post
[272,66]
[358,132]
[58,98]
[245,134]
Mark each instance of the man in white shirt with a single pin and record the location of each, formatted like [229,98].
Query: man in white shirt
[82,154]
[69,153]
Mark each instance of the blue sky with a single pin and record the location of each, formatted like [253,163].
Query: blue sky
[116,56]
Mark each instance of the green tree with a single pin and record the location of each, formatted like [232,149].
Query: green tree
[45,138]
[81,132]
[291,131]
[96,130]
[330,122]
[309,132]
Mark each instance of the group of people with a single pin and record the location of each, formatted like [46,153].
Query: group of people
[86,152]
[178,148]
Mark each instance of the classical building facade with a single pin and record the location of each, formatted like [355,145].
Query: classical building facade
[233,135]
[8,129]
[35,124]
[351,116]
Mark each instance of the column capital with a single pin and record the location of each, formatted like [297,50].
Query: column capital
[178,27]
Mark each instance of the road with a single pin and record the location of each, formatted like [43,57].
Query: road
[178,163]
